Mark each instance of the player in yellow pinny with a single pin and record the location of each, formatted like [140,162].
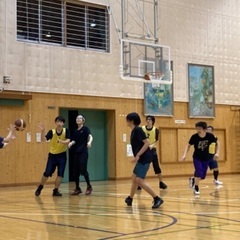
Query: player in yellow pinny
[152,134]
[59,139]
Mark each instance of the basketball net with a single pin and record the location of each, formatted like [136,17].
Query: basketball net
[154,77]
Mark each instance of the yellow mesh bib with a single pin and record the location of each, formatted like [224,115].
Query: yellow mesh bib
[150,134]
[212,148]
[55,146]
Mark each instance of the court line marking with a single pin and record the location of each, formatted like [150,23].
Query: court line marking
[174,221]
[194,228]
[215,213]
[107,214]
[190,229]
[166,197]
[61,224]
[175,231]
[138,233]
[10,190]
[73,214]
[204,215]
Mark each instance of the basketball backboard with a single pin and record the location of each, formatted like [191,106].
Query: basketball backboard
[140,58]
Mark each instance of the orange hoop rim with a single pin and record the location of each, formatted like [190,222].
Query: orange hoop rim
[154,75]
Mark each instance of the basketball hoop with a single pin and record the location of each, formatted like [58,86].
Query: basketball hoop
[154,77]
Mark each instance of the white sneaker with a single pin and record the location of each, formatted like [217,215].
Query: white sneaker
[196,192]
[217,182]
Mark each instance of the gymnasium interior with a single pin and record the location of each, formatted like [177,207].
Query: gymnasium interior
[90,57]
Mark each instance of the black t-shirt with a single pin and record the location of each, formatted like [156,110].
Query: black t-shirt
[137,137]
[201,145]
[49,135]
[80,136]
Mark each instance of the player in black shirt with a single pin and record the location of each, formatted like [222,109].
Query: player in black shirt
[142,158]
[201,156]
[82,140]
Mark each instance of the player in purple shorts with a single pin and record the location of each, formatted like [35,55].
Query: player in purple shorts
[202,153]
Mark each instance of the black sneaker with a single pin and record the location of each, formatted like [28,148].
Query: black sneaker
[76,191]
[139,188]
[128,201]
[162,185]
[38,191]
[56,193]
[157,202]
[88,190]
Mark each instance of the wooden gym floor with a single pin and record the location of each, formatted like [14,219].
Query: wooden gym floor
[104,215]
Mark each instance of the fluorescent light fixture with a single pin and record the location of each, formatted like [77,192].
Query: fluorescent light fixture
[48,35]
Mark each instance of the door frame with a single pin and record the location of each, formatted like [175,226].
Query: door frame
[111,140]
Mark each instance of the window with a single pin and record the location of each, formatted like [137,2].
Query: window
[51,21]
[97,28]
[62,22]
[75,24]
[27,20]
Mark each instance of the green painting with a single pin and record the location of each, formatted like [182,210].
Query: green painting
[201,91]
[158,99]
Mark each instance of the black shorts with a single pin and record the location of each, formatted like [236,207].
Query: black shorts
[56,161]
[155,162]
[212,164]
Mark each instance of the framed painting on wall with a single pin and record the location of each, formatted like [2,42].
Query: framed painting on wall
[201,91]
[158,98]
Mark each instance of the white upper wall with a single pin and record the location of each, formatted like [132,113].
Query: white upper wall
[204,32]
[201,32]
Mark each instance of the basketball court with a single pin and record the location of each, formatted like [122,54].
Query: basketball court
[104,215]
[142,66]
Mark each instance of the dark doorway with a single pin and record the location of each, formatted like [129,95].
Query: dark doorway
[96,120]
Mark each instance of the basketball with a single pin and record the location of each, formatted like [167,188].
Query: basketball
[147,77]
[20,124]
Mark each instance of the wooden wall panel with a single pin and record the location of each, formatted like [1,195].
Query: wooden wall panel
[183,139]
[221,135]
[23,163]
[168,146]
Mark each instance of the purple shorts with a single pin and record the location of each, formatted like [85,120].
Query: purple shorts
[201,168]
[1,142]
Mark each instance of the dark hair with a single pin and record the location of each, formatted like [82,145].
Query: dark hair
[83,118]
[211,127]
[134,117]
[151,117]
[202,125]
[60,118]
